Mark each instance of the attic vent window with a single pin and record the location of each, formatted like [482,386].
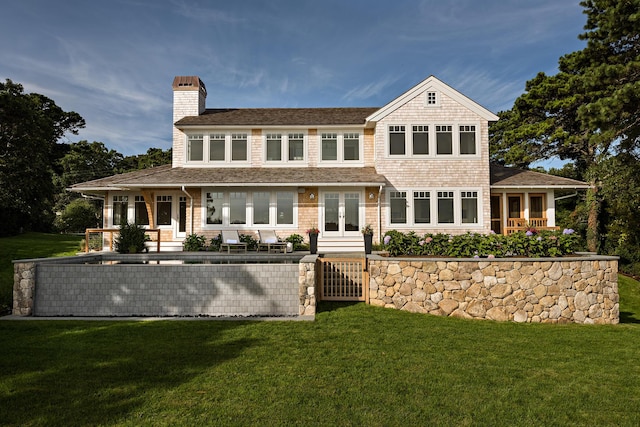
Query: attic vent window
[185,84]
[432,98]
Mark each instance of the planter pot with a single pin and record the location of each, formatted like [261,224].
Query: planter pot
[368,243]
[313,243]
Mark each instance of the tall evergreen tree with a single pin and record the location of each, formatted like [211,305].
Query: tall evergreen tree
[588,111]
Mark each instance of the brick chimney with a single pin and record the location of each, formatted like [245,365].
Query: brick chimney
[189,97]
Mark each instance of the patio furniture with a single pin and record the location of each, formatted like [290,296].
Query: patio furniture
[269,241]
[231,242]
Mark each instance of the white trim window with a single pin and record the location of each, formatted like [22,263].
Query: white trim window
[340,148]
[433,208]
[163,210]
[236,207]
[120,209]
[428,140]
[140,215]
[432,99]
[284,147]
[467,138]
[218,148]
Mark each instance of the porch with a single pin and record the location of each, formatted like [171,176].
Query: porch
[513,212]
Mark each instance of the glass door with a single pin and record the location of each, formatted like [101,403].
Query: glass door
[341,213]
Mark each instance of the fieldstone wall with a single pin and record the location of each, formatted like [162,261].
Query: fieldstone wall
[307,285]
[549,290]
[24,282]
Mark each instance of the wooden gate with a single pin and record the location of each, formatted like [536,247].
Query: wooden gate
[343,279]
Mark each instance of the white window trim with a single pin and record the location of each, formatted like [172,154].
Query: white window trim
[284,147]
[426,99]
[408,141]
[227,162]
[131,208]
[226,208]
[340,148]
[433,208]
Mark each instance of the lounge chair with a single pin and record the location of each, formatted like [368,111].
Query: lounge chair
[269,241]
[231,242]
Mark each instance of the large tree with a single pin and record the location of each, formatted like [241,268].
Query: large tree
[30,126]
[588,111]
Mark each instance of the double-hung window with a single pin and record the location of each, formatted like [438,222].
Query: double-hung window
[329,146]
[217,147]
[467,139]
[398,204]
[444,139]
[421,207]
[163,210]
[420,137]
[296,147]
[445,207]
[195,148]
[397,145]
[351,147]
[239,148]
[469,201]
[120,208]
[274,147]
[140,211]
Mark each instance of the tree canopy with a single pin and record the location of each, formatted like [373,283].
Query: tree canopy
[30,126]
[588,111]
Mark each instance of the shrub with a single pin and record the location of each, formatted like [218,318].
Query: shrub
[531,244]
[77,216]
[214,245]
[194,243]
[252,242]
[296,240]
[130,239]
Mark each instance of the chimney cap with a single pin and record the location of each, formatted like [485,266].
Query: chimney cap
[188,83]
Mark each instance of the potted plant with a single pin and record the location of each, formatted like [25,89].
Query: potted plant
[367,233]
[313,239]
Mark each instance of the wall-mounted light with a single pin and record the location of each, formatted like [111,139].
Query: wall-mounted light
[312,196]
[371,196]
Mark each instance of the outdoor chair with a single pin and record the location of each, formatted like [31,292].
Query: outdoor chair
[269,241]
[231,242]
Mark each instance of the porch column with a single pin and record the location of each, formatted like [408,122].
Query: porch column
[149,202]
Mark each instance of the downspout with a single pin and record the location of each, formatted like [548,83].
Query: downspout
[184,190]
[379,216]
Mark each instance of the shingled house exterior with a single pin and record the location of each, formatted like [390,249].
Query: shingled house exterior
[419,163]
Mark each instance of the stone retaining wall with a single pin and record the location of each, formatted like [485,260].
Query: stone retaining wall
[551,290]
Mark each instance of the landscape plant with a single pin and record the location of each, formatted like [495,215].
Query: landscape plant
[131,239]
[533,243]
[194,242]
[297,241]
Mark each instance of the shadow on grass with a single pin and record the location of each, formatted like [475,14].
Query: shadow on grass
[628,317]
[326,306]
[70,373]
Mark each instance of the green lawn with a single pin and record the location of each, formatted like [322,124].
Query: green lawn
[355,365]
[29,245]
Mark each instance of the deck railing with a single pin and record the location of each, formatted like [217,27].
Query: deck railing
[520,224]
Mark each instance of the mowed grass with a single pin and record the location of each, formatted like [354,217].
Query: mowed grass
[25,246]
[355,365]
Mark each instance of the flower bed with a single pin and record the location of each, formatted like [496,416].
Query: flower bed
[532,244]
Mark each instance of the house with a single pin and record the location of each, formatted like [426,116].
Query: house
[420,163]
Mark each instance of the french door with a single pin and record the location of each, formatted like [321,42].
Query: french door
[341,213]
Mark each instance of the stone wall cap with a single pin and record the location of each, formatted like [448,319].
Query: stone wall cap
[578,257]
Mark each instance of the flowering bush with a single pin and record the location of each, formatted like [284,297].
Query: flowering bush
[544,243]
[313,230]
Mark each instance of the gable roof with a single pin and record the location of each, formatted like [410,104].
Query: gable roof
[432,83]
[505,177]
[278,117]
[166,176]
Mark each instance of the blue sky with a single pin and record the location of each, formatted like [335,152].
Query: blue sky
[113,62]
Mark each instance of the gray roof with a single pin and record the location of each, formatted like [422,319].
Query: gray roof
[166,176]
[505,177]
[279,117]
